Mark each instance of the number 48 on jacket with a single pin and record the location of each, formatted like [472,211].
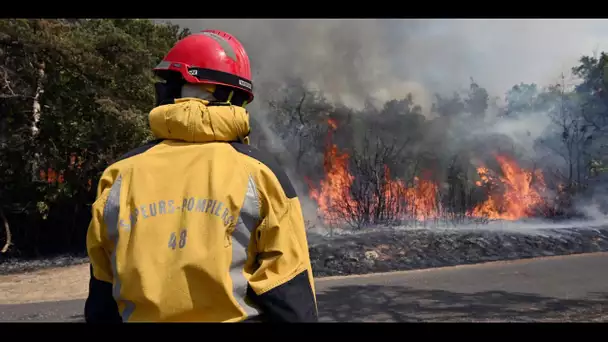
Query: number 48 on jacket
[173,243]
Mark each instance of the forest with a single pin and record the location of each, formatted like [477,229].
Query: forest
[75,95]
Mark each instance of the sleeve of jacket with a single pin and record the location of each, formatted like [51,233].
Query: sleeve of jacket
[100,306]
[283,285]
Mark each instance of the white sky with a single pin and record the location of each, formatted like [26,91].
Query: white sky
[500,53]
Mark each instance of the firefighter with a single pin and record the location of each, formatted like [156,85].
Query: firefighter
[198,225]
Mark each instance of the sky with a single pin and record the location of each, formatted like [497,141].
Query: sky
[387,58]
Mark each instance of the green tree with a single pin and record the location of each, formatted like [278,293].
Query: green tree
[77,96]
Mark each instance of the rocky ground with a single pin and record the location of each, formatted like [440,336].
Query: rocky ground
[14,265]
[392,250]
[384,250]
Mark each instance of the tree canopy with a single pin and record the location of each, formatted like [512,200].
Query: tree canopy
[75,95]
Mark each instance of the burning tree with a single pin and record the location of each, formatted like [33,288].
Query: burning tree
[369,195]
[360,191]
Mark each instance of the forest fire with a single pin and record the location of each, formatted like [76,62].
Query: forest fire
[394,197]
[510,196]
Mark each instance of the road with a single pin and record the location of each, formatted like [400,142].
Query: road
[569,288]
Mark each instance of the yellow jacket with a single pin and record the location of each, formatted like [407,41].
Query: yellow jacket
[198,226]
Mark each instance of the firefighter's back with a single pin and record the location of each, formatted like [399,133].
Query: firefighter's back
[169,211]
[199,226]
[174,255]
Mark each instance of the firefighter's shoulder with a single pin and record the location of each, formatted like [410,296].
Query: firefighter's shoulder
[138,150]
[115,168]
[270,162]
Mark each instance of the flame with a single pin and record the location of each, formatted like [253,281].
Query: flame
[514,195]
[334,191]
[418,201]
[51,176]
[332,123]
[335,201]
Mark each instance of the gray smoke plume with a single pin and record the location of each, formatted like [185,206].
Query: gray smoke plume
[351,59]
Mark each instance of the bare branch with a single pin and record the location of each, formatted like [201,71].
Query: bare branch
[7,231]
[7,84]
[299,109]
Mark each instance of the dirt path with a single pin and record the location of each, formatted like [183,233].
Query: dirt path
[45,285]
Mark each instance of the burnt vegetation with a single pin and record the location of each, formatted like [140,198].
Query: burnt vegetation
[74,95]
[470,158]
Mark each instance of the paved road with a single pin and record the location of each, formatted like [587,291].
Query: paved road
[571,288]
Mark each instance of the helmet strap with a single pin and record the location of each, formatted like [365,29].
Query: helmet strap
[230,96]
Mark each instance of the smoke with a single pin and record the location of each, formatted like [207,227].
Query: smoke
[351,61]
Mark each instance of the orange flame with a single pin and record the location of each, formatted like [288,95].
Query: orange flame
[51,176]
[334,191]
[335,201]
[418,201]
[332,123]
[516,196]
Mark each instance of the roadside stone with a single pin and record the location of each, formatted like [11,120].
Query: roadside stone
[371,255]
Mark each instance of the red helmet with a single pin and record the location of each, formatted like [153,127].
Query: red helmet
[210,57]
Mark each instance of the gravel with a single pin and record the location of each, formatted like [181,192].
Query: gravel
[14,265]
[384,251]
